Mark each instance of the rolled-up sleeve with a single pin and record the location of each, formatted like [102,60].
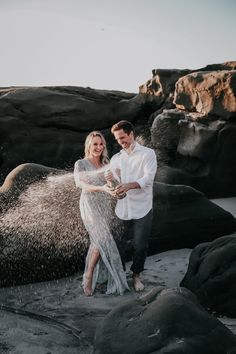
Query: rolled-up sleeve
[150,168]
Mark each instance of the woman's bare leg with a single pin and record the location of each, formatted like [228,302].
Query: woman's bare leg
[94,258]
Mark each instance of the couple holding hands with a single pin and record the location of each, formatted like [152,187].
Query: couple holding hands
[135,168]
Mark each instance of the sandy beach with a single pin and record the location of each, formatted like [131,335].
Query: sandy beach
[56,317]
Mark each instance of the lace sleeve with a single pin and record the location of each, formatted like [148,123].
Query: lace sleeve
[79,173]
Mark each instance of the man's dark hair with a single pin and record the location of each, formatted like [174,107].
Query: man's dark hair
[125,125]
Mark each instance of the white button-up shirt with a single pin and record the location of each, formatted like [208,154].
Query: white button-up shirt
[139,166]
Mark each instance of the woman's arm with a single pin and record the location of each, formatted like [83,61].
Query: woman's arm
[92,188]
[81,177]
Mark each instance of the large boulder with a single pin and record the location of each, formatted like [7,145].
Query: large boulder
[197,152]
[48,125]
[184,217]
[165,135]
[211,92]
[163,81]
[195,142]
[19,179]
[211,275]
[43,236]
[162,84]
[165,321]
[41,231]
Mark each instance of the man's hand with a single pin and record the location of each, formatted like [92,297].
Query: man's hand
[121,189]
[125,187]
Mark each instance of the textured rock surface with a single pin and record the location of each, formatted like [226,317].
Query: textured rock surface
[19,179]
[184,217]
[166,321]
[194,143]
[200,153]
[162,83]
[43,236]
[165,135]
[211,275]
[48,125]
[211,92]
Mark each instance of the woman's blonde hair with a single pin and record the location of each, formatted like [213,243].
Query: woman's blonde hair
[104,159]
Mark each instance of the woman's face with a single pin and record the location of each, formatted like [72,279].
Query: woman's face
[96,147]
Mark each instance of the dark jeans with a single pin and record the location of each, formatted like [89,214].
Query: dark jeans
[138,230]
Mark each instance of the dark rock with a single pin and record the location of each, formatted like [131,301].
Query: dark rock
[19,179]
[211,275]
[224,171]
[163,321]
[48,125]
[165,134]
[184,217]
[228,65]
[43,236]
[194,143]
[41,232]
[196,153]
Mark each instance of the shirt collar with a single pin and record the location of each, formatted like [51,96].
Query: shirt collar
[137,147]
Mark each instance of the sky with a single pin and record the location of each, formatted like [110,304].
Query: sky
[110,44]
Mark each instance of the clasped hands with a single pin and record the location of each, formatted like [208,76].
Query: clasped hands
[116,192]
[119,191]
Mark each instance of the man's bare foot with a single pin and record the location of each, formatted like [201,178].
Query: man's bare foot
[87,285]
[138,285]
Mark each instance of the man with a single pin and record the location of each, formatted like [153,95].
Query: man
[137,166]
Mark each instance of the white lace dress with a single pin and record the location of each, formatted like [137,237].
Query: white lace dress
[98,218]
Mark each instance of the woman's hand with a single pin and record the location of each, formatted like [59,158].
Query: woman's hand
[108,175]
[109,190]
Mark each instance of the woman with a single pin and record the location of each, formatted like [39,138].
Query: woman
[103,262]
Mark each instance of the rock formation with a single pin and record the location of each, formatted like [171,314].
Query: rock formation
[48,125]
[211,275]
[43,236]
[163,321]
[162,84]
[184,217]
[163,81]
[196,153]
[207,93]
[194,143]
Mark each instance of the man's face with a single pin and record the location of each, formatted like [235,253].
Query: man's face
[124,139]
